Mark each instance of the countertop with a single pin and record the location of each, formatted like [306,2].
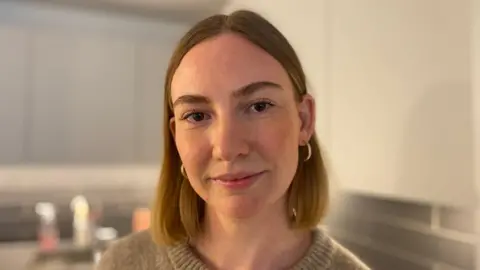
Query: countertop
[21,255]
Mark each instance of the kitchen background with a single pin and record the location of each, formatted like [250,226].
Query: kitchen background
[397,88]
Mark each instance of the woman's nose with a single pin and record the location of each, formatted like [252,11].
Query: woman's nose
[229,140]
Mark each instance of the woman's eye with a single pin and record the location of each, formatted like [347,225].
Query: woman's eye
[261,106]
[196,117]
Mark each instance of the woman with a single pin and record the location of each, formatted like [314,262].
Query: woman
[243,182]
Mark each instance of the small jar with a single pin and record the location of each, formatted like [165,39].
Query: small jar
[104,236]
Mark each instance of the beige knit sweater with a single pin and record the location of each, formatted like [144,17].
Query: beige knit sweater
[138,252]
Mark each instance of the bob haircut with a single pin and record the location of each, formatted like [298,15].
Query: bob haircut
[178,211]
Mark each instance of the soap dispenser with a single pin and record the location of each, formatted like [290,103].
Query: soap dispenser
[48,235]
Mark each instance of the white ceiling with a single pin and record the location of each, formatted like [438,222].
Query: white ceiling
[165,4]
[179,10]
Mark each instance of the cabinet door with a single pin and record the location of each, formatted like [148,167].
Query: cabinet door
[51,79]
[401,115]
[13,90]
[84,99]
[151,67]
[101,100]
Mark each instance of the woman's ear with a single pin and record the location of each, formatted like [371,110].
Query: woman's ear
[306,110]
[172,126]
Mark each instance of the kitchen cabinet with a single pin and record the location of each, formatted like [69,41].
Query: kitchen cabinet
[14,51]
[151,65]
[48,141]
[83,99]
[101,100]
[401,114]
[81,87]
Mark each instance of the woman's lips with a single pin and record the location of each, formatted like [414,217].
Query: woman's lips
[237,181]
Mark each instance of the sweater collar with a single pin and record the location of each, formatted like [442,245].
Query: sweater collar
[318,256]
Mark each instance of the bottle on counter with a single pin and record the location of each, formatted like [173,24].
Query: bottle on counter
[82,234]
[48,234]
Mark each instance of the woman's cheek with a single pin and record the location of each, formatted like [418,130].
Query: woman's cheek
[276,135]
[193,147]
[188,142]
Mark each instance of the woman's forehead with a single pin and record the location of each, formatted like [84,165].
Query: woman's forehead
[226,62]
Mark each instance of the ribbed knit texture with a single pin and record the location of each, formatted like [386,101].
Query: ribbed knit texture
[138,252]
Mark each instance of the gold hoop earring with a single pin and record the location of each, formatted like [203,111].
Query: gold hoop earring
[309,154]
[182,171]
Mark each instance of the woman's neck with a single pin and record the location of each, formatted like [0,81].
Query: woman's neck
[264,241]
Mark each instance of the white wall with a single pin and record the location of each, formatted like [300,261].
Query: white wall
[476,108]
[401,113]
[393,85]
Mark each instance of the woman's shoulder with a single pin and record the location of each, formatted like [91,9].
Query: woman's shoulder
[343,259]
[134,252]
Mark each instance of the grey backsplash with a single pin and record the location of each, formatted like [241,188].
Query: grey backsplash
[18,221]
[392,234]
[385,233]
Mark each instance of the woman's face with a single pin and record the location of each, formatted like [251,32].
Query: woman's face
[237,125]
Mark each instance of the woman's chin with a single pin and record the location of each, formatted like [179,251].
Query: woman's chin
[238,208]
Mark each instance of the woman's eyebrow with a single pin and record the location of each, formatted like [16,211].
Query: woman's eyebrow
[244,91]
[254,87]
[191,99]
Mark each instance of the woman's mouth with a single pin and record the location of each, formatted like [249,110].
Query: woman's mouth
[237,181]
